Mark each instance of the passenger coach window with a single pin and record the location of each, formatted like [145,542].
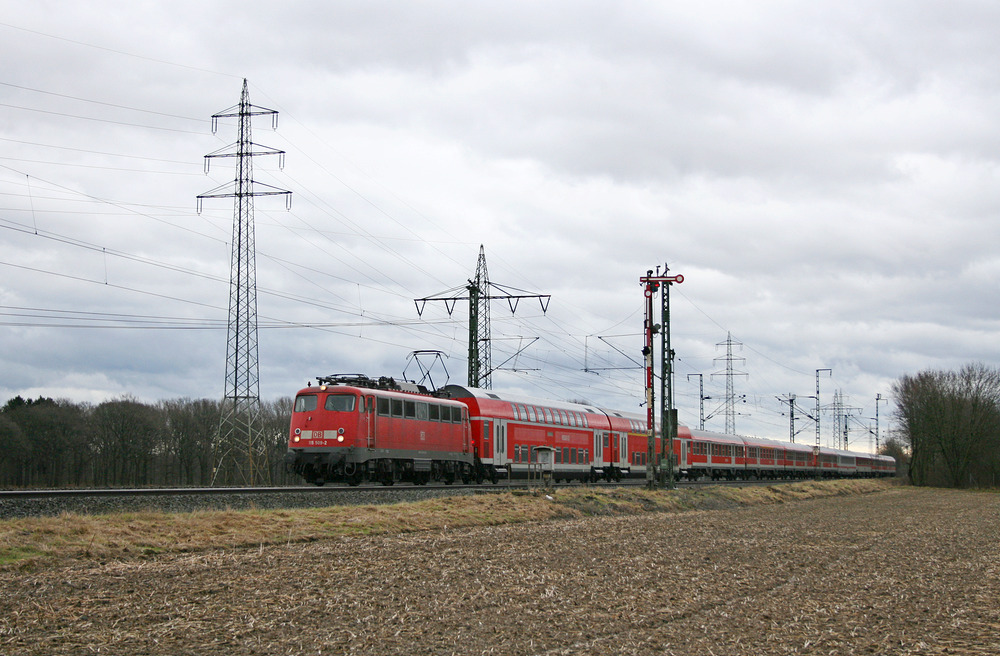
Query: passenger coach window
[305,403]
[340,402]
[531,413]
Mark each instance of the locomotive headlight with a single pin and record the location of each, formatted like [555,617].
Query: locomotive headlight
[340,438]
[296,438]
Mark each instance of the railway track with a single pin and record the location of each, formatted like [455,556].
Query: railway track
[34,503]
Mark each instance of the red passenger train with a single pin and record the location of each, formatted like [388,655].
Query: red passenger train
[353,429]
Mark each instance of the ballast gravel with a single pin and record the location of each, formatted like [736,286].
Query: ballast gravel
[906,571]
[180,502]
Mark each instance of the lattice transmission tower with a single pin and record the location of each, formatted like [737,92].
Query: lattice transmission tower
[730,373]
[239,451]
[479,293]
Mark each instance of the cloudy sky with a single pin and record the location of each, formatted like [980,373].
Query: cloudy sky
[823,174]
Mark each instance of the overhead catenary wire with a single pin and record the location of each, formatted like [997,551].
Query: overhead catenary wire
[552,332]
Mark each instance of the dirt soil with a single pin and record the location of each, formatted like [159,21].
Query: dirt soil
[905,571]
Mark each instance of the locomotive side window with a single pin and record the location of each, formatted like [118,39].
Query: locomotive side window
[422,411]
[397,407]
[305,403]
[434,412]
[409,409]
[340,402]
[383,407]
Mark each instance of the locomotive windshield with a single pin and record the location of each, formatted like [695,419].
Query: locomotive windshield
[305,403]
[340,402]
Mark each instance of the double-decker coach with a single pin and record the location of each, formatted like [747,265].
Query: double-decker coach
[508,431]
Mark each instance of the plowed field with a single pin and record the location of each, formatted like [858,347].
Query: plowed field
[904,571]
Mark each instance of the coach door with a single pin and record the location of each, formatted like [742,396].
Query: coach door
[487,434]
[368,423]
[600,439]
[621,446]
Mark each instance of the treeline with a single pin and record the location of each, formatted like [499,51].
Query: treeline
[126,443]
[951,423]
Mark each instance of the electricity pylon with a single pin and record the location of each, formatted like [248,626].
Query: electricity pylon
[239,451]
[729,373]
[479,294]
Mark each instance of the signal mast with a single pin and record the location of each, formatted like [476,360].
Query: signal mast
[668,415]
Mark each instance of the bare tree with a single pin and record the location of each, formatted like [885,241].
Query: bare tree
[951,421]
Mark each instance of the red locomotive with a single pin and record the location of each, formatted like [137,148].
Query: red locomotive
[353,429]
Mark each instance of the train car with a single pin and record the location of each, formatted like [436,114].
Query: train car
[510,431]
[353,429]
[715,455]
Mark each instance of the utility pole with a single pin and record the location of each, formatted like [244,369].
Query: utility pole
[878,399]
[701,400]
[668,415]
[478,293]
[790,400]
[791,418]
[239,449]
[730,373]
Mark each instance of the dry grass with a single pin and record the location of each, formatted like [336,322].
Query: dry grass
[901,571]
[36,541]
